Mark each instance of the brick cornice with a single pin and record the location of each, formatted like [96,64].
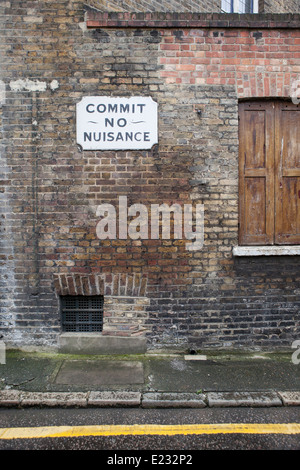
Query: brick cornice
[97,19]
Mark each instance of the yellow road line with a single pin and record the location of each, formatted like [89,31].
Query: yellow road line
[148,429]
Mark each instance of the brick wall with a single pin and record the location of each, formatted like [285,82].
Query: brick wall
[279,6]
[51,188]
[265,6]
[155,5]
[7,273]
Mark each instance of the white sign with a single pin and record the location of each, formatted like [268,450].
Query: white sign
[105,123]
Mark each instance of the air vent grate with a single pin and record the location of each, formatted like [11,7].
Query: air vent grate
[82,313]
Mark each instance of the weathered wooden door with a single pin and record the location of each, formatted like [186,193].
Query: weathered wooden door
[269,173]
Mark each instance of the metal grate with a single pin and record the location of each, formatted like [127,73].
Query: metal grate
[82,313]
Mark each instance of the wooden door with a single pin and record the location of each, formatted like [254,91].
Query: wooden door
[269,173]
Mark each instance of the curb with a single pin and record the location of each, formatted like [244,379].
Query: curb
[104,399]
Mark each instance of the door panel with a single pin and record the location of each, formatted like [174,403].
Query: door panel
[287,179]
[256,169]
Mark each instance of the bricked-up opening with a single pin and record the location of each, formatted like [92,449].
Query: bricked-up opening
[80,313]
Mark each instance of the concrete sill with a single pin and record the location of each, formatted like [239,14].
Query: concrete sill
[95,343]
[266,250]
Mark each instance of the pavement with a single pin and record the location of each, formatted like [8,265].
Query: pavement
[153,380]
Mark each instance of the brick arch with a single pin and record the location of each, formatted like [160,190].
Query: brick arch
[134,285]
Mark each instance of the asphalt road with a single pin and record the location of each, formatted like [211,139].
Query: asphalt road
[113,446]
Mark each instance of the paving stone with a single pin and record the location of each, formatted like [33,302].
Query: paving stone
[173,400]
[219,399]
[100,373]
[114,398]
[290,398]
